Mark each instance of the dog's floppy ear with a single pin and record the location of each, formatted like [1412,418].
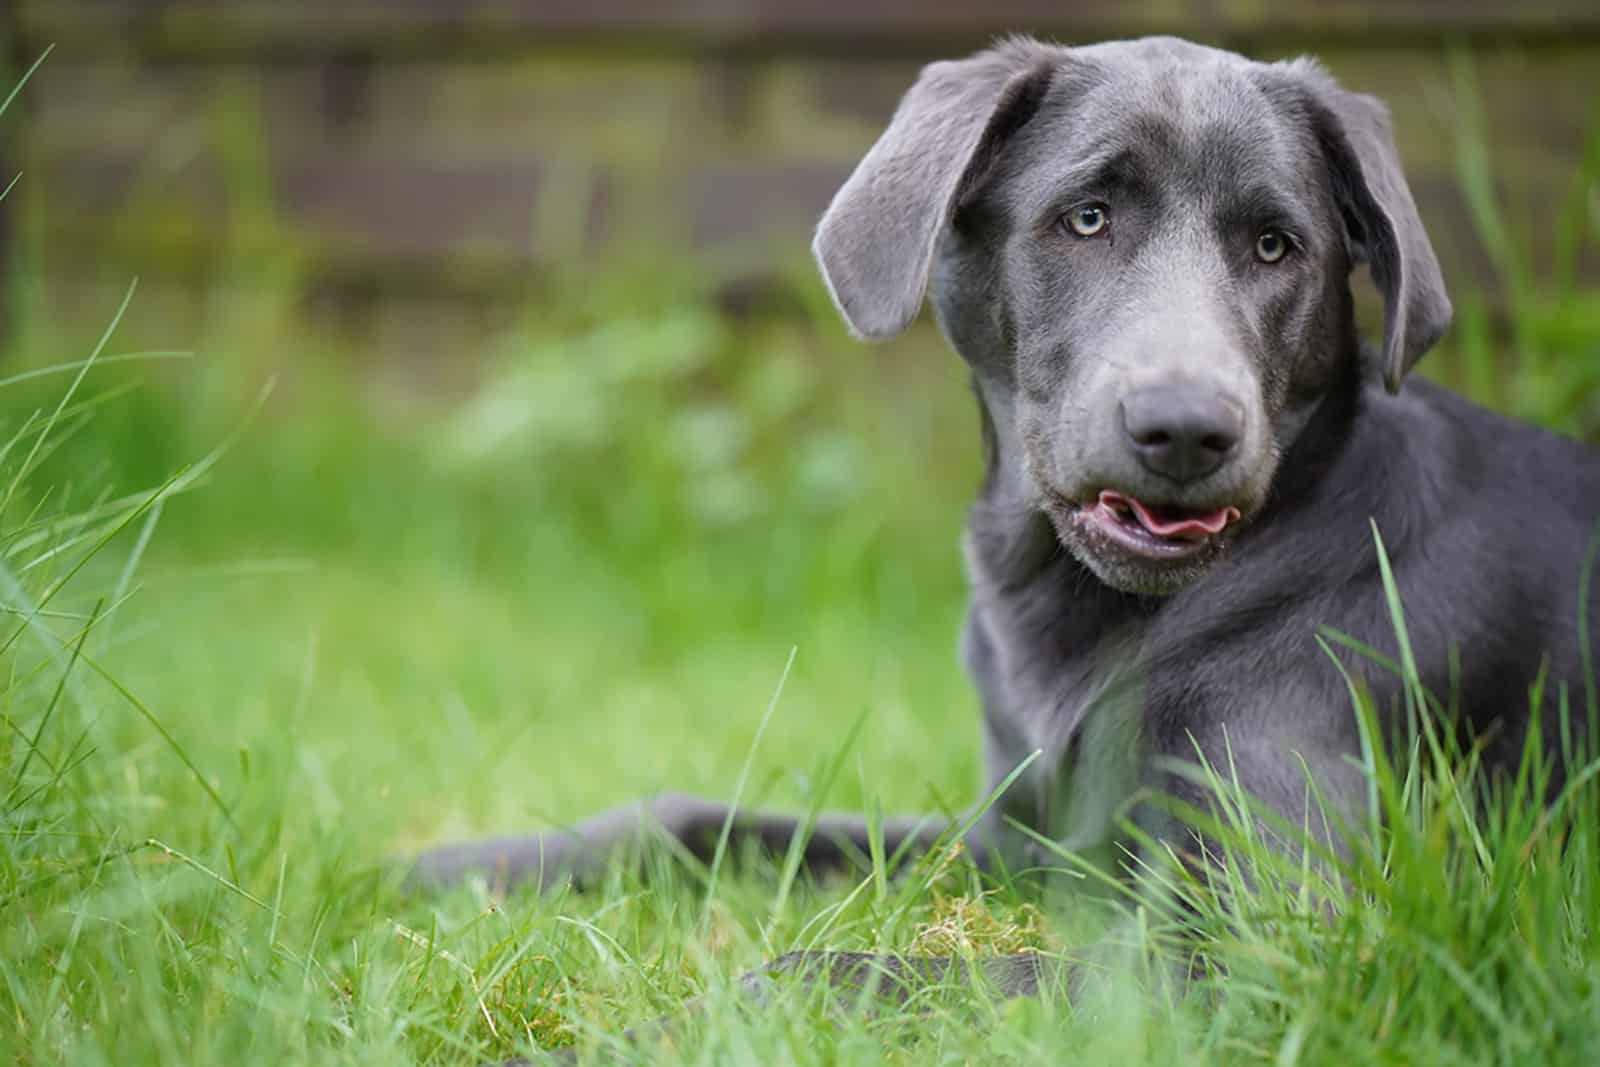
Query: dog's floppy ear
[876,241]
[1381,218]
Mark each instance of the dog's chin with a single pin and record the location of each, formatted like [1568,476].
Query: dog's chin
[1130,559]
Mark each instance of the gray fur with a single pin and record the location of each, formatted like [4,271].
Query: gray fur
[1117,667]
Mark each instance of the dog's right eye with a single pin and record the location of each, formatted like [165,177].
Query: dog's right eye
[1087,220]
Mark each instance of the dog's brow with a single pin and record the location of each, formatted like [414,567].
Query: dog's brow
[1115,169]
[1261,205]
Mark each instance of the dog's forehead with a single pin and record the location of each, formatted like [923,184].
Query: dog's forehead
[1179,77]
[1172,104]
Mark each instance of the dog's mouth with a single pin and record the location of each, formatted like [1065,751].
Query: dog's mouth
[1152,531]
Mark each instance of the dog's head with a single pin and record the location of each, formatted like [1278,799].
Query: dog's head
[1143,248]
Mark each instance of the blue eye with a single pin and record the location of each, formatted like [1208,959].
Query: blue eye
[1271,246]
[1087,220]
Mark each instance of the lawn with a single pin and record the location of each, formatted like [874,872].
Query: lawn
[271,624]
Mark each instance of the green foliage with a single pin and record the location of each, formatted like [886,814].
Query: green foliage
[1548,368]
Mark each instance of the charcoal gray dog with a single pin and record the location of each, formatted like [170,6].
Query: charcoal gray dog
[1143,252]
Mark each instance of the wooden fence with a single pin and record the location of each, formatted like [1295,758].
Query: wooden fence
[424,149]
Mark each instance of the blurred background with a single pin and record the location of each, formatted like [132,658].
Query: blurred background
[565,450]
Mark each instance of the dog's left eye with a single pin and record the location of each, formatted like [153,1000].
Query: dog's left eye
[1271,246]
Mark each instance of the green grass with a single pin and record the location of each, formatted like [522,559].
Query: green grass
[255,644]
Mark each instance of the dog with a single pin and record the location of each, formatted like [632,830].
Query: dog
[1143,252]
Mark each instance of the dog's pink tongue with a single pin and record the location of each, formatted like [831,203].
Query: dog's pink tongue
[1192,525]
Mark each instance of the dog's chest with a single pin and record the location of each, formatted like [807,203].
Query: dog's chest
[1076,699]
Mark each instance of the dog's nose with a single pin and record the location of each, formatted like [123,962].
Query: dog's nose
[1181,433]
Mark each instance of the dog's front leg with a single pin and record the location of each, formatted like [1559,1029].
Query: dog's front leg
[696,824]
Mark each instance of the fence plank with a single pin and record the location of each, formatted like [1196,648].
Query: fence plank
[437,165]
[202,25]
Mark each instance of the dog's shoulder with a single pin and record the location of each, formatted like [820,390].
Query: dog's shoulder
[1440,444]
[1489,516]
